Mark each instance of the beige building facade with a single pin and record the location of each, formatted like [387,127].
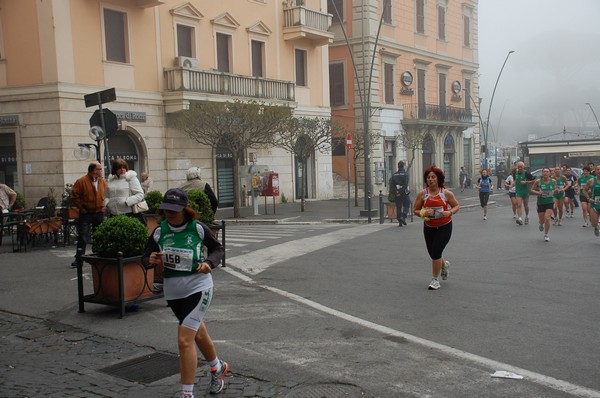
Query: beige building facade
[159,56]
[420,61]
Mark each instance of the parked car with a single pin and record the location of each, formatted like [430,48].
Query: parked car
[576,171]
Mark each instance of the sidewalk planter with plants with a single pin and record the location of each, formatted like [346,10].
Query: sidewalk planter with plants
[119,277]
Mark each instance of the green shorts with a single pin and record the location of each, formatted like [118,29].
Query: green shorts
[522,194]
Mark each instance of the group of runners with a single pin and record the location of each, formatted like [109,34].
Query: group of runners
[557,191]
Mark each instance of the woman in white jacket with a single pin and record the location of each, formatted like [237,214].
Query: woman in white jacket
[123,190]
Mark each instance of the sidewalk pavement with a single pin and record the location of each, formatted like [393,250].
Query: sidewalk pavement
[44,357]
[327,211]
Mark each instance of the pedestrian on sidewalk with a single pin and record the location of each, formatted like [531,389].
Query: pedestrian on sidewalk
[179,244]
[7,198]
[462,178]
[194,181]
[485,187]
[399,185]
[87,195]
[436,205]
[545,188]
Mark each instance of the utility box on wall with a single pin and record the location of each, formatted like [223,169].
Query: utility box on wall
[271,185]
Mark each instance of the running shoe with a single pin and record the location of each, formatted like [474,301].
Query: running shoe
[485,217]
[514,216]
[541,227]
[546,238]
[559,222]
[519,221]
[217,375]
[585,225]
[186,394]
[596,231]
[526,220]
[434,285]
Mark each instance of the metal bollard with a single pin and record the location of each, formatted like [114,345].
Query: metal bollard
[369,206]
[380,207]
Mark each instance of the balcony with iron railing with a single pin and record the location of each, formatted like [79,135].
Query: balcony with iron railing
[300,22]
[437,114]
[185,81]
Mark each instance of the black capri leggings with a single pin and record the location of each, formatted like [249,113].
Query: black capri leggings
[483,198]
[436,239]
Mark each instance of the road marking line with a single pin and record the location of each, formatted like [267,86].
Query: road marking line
[557,384]
[259,260]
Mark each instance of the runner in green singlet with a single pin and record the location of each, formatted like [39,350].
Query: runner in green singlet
[592,193]
[522,178]
[545,188]
[585,206]
[559,197]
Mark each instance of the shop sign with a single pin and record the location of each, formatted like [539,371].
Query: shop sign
[130,116]
[9,120]
[133,157]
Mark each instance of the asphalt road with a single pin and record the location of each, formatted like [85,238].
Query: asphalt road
[348,305]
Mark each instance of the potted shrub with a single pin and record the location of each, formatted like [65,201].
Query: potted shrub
[119,242]
[153,199]
[20,203]
[69,211]
[199,201]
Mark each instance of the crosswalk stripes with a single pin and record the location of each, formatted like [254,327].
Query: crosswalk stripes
[243,235]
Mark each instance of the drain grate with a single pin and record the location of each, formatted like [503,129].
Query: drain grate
[146,369]
[326,390]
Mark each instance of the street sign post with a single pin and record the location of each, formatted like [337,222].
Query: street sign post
[99,98]
[348,147]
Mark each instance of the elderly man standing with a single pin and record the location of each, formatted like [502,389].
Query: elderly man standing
[194,181]
[88,196]
[7,198]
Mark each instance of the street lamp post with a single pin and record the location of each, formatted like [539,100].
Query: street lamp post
[487,127]
[595,117]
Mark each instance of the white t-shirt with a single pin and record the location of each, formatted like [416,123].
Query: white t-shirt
[509,181]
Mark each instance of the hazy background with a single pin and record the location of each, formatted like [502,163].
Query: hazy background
[553,72]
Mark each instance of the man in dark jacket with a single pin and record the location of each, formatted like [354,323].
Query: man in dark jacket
[399,186]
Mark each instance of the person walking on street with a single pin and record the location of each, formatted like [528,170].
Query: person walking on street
[485,187]
[585,206]
[194,181]
[436,206]
[7,198]
[500,174]
[188,252]
[545,189]
[399,185]
[462,178]
[146,183]
[522,180]
[88,194]
[510,187]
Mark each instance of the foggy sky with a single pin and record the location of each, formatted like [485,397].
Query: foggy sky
[553,72]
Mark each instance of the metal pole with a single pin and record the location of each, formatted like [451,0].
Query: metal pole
[348,162]
[490,107]
[103,125]
[590,105]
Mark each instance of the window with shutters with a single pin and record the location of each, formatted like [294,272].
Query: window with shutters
[420,6]
[387,11]
[337,92]
[258,55]
[223,52]
[388,81]
[332,6]
[467,30]
[300,62]
[116,36]
[441,23]
[185,41]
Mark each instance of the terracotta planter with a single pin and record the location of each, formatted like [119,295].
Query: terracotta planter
[137,280]
[391,211]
